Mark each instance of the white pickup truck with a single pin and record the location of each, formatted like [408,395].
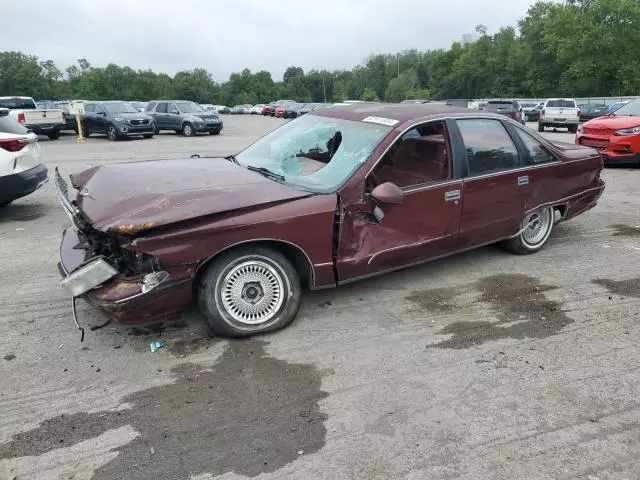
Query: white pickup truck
[41,122]
[559,113]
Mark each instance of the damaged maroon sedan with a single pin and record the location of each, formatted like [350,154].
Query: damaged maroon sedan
[342,194]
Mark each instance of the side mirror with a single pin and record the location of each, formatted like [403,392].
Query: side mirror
[387,193]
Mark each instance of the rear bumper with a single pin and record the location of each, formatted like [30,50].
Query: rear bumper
[21,184]
[43,129]
[123,299]
[551,122]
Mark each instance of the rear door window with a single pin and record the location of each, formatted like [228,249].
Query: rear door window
[16,103]
[171,108]
[162,107]
[89,108]
[488,145]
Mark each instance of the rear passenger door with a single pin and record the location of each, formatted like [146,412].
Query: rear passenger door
[496,185]
[174,120]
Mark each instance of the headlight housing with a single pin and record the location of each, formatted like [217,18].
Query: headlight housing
[628,131]
[120,120]
[197,120]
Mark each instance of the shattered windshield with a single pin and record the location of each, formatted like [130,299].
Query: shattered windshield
[315,153]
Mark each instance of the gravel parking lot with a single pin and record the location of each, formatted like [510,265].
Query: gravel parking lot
[485,365]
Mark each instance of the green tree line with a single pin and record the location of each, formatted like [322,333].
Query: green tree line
[574,48]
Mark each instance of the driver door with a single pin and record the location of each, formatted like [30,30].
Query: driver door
[424,225]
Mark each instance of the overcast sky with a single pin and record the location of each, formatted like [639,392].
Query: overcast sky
[225,36]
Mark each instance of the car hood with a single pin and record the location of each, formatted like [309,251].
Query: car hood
[131,197]
[133,116]
[613,122]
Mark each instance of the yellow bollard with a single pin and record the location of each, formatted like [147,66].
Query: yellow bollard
[80,138]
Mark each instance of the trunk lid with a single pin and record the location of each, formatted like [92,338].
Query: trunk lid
[131,197]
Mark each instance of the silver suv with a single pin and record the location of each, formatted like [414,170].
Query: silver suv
[184,117]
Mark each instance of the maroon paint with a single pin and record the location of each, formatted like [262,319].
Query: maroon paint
[191,210]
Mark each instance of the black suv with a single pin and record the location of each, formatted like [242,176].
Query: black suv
[116,120]
[184,117]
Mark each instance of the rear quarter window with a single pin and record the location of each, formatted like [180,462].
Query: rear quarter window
[150,106]
[9,125]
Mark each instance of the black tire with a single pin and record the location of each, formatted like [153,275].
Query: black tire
[156,130]
[523,244]
[540,127]
[187,130]
[278,273]
[214,132]
[86,131]
[112,133]
[148,135]
[54,134]
[573,128]
[4,204]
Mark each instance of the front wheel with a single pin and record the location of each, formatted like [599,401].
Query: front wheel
[248,291]
[535,231]
[187,130]
[540,127]
[112,133]
[149,135]
[573,128]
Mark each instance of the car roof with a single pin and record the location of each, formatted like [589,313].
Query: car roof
[402,112]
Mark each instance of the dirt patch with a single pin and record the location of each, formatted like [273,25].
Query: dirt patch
[522,309]
[157,328]
[23,212]
[442,300]
[623,230]
[184,347]
[625,288]
[248,414]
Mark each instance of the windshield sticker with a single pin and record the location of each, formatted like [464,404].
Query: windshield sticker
[390,122]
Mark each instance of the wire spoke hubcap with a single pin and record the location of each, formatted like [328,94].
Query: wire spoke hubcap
[252,292]
[538,226]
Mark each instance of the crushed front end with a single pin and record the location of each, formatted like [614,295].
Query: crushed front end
[106,270]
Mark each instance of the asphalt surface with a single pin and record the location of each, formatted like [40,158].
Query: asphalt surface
[485,365]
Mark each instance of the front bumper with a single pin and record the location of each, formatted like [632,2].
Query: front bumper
[125,300]
[126,130]
[615,150]
[207,127]
[18,185]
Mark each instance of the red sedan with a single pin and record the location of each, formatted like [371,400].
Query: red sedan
[340,194]
[616,135]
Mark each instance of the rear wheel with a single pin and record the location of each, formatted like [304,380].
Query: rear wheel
[535,231]
[112,133]
[540,127]
[573,128]
[249,290]
[4,204]
[187,130]
[86,131]
[54,134]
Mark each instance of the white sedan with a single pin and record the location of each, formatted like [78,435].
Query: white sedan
[21,171]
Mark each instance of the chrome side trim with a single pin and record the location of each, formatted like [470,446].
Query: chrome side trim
[400,247]
[564,200]
[256,240]
[409,265]
[326,264]
[428,186]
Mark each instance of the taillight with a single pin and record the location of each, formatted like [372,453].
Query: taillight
[578,112]
[542,112]
[12,144]
[21,118]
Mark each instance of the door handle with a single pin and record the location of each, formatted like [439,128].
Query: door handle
[524,180]
[452,195]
